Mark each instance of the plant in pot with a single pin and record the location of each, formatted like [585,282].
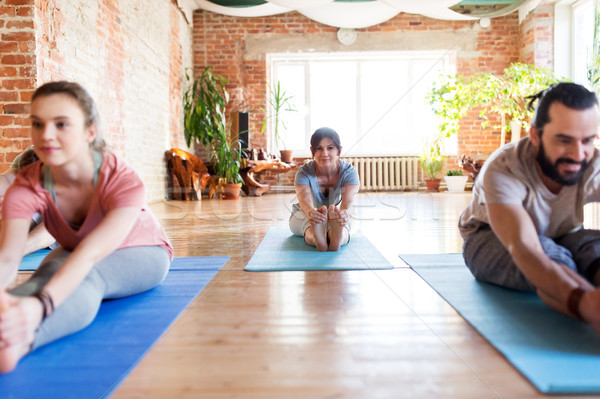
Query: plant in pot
[278,102]
[226,157]
[455,180]
[432,162]
[204,122]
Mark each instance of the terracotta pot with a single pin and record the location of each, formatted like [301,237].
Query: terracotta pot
[286,156]
[232,191]
[433,185]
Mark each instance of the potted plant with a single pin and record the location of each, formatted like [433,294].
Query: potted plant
[432,162]
[455,180]
[453,95]
[278,102]
[204,111]
[225,158]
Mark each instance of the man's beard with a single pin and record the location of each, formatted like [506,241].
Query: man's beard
[551,169]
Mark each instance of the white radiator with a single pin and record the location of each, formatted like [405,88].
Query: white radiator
[387,173]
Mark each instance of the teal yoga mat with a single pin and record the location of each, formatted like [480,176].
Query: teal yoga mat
[282,251]
[557,354]
[33,260]
[93,362]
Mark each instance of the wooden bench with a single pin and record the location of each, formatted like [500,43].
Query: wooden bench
[253,188]
[190,172]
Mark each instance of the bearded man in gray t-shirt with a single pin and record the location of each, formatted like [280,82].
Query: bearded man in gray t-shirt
[523,228]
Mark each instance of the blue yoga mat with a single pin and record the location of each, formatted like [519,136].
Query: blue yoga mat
[557,354]
[93,362]
[33,260]
[282,251]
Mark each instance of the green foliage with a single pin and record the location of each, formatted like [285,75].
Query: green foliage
[278,102]
[432,160]
[204,105]
[454,172]
[225,160]
[453,95]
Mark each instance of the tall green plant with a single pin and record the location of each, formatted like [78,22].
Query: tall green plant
[226,160]
[278,102]
[204,105]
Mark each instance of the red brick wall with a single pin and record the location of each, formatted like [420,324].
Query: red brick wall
[537,37]
[17,76]
[111,98]
[129,54]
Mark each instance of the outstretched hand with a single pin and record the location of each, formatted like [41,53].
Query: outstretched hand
[338,215]
[19,318]
[316,216]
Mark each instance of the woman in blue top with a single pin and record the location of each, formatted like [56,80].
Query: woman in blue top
[325,188]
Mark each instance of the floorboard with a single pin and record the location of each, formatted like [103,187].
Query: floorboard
[322,334]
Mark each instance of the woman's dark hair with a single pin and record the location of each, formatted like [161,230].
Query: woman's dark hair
[571,95]
[322,133]
[84,100]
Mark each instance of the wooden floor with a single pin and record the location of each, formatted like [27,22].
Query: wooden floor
[354,334]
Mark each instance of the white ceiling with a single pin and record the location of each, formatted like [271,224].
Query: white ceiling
[349,14]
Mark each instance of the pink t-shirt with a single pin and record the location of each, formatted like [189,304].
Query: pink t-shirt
[118,186]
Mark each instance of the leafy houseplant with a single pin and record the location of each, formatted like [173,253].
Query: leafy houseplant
[278,102]
[432,162]
[453,95]
[454,172]
[204,112]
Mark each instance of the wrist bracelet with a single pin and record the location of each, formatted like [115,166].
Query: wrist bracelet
[46,302]
[573,302]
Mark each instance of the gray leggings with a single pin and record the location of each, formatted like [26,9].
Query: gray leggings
[125,272]
[489,261]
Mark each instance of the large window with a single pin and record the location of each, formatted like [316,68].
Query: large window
[375,101]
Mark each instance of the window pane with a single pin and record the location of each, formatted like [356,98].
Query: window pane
[583,36]
[375,101]
[293,131]
[333,98]
[384,89]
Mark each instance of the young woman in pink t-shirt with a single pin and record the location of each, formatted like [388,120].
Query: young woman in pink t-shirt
[94,205]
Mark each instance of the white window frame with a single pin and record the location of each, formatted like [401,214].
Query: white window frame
[566,39]
[447,58]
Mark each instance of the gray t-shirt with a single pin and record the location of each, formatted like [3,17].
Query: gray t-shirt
[306,175]
[510,176]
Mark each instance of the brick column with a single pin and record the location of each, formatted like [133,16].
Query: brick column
[17,76]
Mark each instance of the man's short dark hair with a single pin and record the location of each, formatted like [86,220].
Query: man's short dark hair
[571,95]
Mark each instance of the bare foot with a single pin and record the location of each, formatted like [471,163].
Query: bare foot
[320,231]
[11,352]
[338,234]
